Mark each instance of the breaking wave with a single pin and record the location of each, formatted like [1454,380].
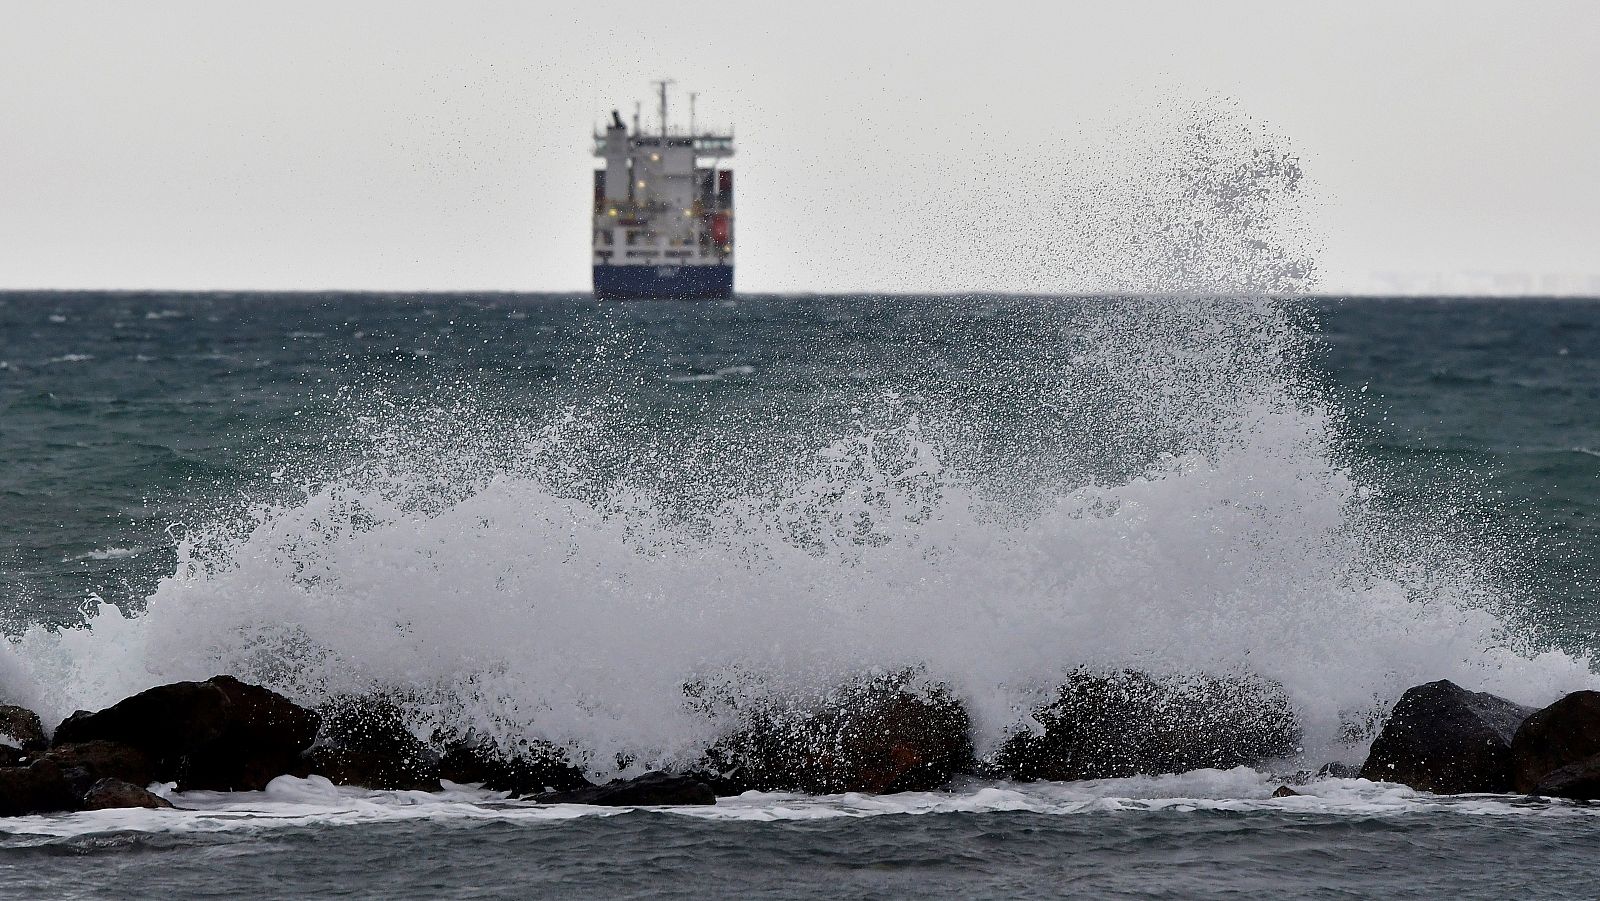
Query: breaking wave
[1172,493]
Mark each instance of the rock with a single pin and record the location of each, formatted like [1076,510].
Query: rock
[1284,791]
[167,722]
[538,767]
[86,763]
[1126,723]
[37,788]
[109,793]
[1565,733]
[877,734]
[1337,770]
[723,784]
[262,739]
[1444,739]
[365,741]
[220,735]
[651,789]
[1576,781]
[21,727]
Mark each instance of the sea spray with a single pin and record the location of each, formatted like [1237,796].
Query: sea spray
[507,589]
[1148,482]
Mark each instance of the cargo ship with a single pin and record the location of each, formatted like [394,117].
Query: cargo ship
[663,210]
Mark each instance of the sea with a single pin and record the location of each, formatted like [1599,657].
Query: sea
[541,516]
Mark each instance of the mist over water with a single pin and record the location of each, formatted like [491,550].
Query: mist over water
[1149,480]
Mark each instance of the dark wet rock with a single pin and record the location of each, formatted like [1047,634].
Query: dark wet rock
[1578,781]
[881,734]
[221,734]
[651,789]
[536,768]
[40,787]
[1338,770]
[1126,723]
[1284,791]
[167,722]
[109,793]
[58,779]
[1444,739]
[724,784]
[85,763]
[262,738]
[1561,735]
[21,727]
[365,741]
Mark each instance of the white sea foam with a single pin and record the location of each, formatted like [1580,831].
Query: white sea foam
[289,802]
[110,553]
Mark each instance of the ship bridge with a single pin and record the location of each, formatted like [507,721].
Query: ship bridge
[663,198]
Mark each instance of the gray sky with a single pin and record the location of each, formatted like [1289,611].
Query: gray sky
[384,145]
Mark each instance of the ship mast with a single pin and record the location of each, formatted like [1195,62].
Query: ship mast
[662,84]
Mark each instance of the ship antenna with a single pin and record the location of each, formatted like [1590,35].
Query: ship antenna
[692,95]
[635,118]
[663,82]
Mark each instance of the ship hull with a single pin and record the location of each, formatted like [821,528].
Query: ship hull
[663,282]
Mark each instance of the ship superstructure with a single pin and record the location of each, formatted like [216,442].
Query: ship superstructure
[663,210]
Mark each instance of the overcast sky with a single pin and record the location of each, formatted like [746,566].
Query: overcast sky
[385,145]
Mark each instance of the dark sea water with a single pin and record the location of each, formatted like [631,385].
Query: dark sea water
[1193,483]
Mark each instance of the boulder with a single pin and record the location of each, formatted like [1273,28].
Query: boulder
[651,789]
[1284,791]
[110,793]
[167,722]
[86,763]
[1576,781]
[1338,770]
[1565,733]
[540,766]
[365,741]
[1125,723]
[1444,739]
[39,787]
[879,734]
[220,735]
[20,728]
[262,738]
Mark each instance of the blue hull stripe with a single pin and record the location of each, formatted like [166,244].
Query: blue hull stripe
[662,282]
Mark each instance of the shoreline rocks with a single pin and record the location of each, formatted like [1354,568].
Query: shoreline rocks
[875,734]
[110,793]
[21,735]
[365,741]
[540,767]
[880,734]
[1444,739]
[1560,737]
[217,735]
[651,789]
[1106,725]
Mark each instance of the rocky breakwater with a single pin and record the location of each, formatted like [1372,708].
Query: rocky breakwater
[877,733]
[1444,739]
[1106,725]
[221,734]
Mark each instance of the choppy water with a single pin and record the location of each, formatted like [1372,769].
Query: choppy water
[542,515]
